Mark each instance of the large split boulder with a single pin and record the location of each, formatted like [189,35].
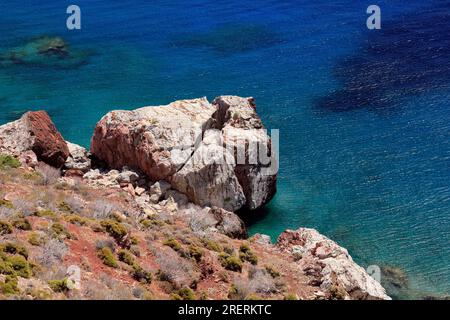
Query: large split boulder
[36,132]
[208,151]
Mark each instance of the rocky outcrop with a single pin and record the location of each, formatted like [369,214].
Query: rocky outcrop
[34,131]
[204,150]
[79,158]
[334,269]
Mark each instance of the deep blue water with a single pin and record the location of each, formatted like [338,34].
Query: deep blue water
[363,115]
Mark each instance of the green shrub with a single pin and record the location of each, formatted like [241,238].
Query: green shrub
[6,203]
[173,243]
[212,245]
[195,252]
[291,296]
[246,254]
[77,220]
[16,266]
[126,257]
[230,262]
[141,275]
[60,231]
[63,206]
[14,248]
[272,271]
[45,213]
[184,293]
[151,221]
[7,161]
[107,256]
[22,224]
[5,228]
[59,285]
[9,287]
[36,239]
[114,229]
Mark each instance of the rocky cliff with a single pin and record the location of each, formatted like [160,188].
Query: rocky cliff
[155,219]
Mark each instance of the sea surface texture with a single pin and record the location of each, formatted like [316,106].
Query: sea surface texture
[363,115]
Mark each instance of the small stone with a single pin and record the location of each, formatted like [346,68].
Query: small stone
[139,191]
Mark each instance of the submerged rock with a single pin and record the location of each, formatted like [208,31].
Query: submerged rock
[44,51]
[334,269]
[34,131]
[196,147]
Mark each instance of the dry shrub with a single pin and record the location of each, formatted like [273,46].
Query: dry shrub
[7,213]
[174,269]
[102,209]
[26,207]
[53,252]
[49,174]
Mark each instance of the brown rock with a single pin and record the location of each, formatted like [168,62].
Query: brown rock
[49,145]
[35,131]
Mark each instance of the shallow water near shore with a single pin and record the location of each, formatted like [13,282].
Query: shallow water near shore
[363,116]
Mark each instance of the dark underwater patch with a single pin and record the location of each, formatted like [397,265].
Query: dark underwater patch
[230,38]
[408,56]
[45,51]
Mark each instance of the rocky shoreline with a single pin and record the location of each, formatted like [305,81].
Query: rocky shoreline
[154,157]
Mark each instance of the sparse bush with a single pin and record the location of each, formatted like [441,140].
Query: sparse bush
[53,252]
[272,271]
[291,296]
[102,209]
[10,286]
[45,213]
[7,213]
[126,257]
[15,265]
[25,207]
[173,243]
[6,203]
[49,175]
[114,229]
[174,269]
[184,293]
[64,207]
[59,231]
[76,205]
[22,224]
[195,252]
[246,254]
[141,275]
[36,239]
[212,245]
[151,221]
[7,161]
[5,228]
[107,256]
[230,262]
[260,281]
[76,220]
[59,285]
[14,248]
[100,244]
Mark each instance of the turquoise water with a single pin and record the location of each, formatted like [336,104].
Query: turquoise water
[363,115]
